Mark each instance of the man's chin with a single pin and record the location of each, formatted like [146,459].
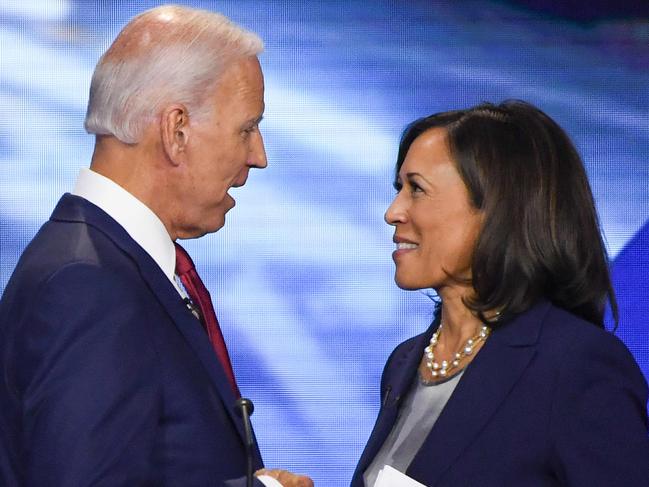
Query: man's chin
[216,226]
[202,229]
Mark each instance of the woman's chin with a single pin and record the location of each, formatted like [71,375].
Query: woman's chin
[407,284]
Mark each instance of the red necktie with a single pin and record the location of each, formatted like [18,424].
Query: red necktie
[199,294]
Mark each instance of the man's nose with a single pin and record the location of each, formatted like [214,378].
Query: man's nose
[257,155]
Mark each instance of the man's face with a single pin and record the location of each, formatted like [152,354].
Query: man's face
[221,149]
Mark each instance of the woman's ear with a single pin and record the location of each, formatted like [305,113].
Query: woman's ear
[174,126]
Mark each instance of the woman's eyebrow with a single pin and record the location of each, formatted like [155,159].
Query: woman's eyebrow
[411,175]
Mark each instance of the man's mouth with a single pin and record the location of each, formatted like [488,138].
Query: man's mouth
[238,184]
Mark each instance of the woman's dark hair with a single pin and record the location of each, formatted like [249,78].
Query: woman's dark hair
[540,234]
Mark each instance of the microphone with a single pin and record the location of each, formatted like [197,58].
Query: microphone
[386,396]
[191,307]
[245,409]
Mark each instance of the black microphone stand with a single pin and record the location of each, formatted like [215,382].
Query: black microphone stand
[245,409]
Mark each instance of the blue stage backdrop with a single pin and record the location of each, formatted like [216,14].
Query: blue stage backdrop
[301,275]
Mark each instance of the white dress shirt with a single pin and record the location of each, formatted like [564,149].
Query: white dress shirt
[135,217]
[142,225]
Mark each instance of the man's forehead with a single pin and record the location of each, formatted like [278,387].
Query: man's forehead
[242,88]
[244,74]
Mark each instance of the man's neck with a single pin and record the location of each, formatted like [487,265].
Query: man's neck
[134,168]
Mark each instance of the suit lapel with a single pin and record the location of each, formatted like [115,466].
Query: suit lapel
[400,373]
[483,387]
[74,208]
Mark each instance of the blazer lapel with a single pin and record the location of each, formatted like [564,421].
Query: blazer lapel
[398,378]
[485,384]
[74,208]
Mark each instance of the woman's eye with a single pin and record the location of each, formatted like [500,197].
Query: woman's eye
[415,188]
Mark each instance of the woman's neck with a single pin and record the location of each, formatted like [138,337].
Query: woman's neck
[459,323]
[454,345]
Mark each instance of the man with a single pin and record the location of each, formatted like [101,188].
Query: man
[114,371]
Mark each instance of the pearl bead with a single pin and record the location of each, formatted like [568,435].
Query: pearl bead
[446,367]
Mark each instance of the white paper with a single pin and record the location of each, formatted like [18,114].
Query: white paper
[391,477]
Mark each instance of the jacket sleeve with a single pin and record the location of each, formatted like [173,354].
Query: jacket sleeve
[599,416]
[87,381]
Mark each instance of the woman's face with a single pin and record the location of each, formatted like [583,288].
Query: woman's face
[435,225]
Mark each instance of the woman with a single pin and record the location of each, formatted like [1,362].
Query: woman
[516,382]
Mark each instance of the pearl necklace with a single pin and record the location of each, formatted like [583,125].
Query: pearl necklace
[445,368]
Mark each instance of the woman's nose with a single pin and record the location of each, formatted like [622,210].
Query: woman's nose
[396,211]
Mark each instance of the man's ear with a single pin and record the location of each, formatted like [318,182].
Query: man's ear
[174,127]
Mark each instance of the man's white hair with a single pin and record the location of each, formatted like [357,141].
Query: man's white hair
[168,54]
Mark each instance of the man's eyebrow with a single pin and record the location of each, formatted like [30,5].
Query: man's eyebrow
[252,122]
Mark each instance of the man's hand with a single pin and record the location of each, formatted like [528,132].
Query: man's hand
[287,479]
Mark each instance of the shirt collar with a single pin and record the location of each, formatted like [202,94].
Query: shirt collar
[142,224]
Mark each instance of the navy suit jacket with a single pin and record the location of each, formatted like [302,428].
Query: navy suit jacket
[550,400]
[107,377]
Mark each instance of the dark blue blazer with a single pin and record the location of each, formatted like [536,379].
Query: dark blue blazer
[107,378]
[550,400]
